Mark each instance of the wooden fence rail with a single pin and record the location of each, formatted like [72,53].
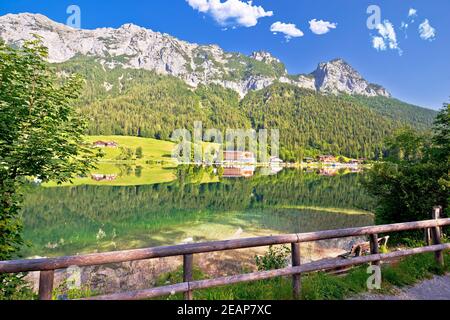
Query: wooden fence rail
[48,266]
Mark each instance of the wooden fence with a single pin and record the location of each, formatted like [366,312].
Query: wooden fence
[47,267]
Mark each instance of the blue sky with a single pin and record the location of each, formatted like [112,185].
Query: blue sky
[414,69]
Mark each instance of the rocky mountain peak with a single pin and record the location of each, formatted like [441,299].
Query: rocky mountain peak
[131,26]
[264,56]
[131,46]
[337,76]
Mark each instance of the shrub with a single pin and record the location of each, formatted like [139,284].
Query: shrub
[275,258]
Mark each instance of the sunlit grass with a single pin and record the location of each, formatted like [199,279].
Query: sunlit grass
[318,286]
[152,149]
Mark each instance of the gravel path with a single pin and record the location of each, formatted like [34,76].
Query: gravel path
[437,288]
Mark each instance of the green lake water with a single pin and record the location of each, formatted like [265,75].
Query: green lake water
[98,218]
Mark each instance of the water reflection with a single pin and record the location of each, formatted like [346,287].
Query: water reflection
[201,204]
[239,172]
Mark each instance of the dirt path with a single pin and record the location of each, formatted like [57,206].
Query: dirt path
[437,288]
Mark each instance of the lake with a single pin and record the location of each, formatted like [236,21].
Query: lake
[197,205]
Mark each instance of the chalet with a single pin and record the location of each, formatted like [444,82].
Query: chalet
[240,157]
[105,144]
[238,172]
[103,177]
[327,159]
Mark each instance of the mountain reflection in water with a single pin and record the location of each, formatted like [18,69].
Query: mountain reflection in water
[81,219]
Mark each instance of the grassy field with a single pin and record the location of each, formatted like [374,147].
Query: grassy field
[152,149]
[154,166]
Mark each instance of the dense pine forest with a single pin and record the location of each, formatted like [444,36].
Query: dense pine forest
[141,103]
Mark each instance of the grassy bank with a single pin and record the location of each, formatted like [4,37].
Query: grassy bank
[320,286]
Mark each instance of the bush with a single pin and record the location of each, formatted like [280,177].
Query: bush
[275,258]
[66,291]
[13,287]
[139,153]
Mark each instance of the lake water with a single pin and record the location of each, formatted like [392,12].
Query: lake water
[199,205]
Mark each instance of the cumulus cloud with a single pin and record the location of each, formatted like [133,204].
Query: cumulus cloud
[426,31]
[412,12]
[231,12]
[290,30]
[386,38]
[387,31]
[378,43]
[321,27]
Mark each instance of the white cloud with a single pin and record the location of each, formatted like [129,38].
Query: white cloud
[387,31]
[426,31]
[321,27]
[412,12]
[231,12]
[386,37]
[290,30]
[378,43]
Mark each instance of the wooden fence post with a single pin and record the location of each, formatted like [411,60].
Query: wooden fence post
[427,236]
[436,236]
[46,285]
[188,263]
[374,247]
[296,278]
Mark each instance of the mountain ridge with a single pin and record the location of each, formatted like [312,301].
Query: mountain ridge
[136,102]
[132,46]
[332,110]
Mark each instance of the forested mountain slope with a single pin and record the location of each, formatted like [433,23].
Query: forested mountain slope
[136,102]
[145,83]
[419,118]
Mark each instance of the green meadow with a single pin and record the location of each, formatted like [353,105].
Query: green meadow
[128,165]
[152,149]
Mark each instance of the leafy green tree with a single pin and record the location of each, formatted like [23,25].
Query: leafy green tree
[415,176]
[139,153]
[441,139]
[125,154]
[41,136]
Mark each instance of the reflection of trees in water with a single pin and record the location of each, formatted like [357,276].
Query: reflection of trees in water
[60,212]
[301,221]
